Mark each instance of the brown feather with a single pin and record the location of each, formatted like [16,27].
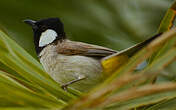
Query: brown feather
[68,47]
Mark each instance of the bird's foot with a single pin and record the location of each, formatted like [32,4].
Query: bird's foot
[65,86]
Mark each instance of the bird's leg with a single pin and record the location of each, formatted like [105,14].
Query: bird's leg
[64,86]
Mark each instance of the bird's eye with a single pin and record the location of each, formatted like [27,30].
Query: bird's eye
[43,28]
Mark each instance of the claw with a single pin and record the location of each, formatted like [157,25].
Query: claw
[65,86]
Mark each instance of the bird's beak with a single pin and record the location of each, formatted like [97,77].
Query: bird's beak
[30,22]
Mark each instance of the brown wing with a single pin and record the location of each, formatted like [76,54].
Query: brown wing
[78,48]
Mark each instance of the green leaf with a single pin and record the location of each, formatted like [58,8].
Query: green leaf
[17,59]
[142,101]
[166,24]
[168,20]
[165,105]
[19,95]
[24,108]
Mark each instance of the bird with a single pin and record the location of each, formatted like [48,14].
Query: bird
[69,63]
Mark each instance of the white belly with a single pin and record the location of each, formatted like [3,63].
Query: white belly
[67,68]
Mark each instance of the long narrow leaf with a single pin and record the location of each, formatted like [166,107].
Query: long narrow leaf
[18,60]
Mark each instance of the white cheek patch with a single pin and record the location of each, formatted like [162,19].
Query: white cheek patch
[47,37]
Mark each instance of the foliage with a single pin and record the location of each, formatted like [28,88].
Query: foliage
[24,84]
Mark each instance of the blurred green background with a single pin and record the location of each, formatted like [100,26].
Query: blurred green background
[116,24]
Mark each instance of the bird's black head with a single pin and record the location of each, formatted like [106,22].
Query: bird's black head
[46,31]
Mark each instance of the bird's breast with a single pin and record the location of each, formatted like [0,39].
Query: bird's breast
[64,68]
